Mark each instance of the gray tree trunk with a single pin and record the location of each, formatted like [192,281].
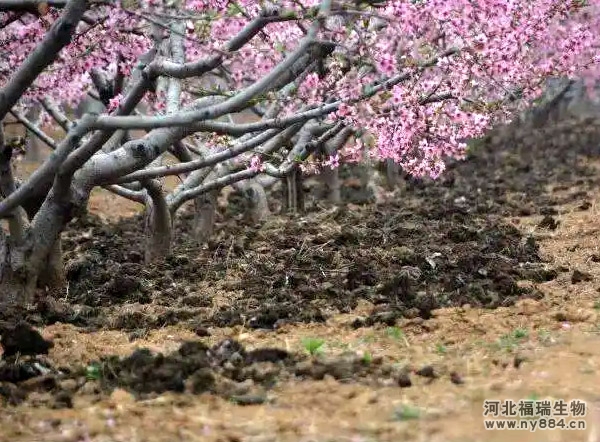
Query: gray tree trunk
[293,195]
[392,174]
[17,278]
[158,227]
[33,148]
[52,275]
[259,203]
[204,216]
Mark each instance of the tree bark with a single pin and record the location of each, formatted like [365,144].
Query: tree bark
[33,149]
[17,278]
[392,174]
[259,203]
[158,226]
[204,216]
[52,275]
[293,195]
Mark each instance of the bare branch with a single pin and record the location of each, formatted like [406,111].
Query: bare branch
[233,104]
[302,150]
[131,100]
[56,114]
[133,195]
[217,183]
[199,163]
[47,170]
[34,129]
[133,155]
[182,193]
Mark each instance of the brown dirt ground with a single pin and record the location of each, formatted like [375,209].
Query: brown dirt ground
[543,346]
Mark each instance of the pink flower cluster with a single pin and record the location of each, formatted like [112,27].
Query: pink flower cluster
[485,60]
[256,164]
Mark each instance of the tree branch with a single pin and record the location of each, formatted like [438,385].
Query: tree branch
[17,221]
[56,114]
[234,104]
[133,195]
[46,171]
[217,183]
[208,161]
[197,68]
[58,36]
[34,129]
[191,188]
[302,150]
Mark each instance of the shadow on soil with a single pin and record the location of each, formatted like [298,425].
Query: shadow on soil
[442,243]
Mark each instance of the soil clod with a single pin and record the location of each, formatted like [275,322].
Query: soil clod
[22,339]
[579,276]
[456,378]
[427,372]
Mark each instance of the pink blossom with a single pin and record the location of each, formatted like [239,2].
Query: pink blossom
[256,164]
[114,102]
[498,47]
[333,162]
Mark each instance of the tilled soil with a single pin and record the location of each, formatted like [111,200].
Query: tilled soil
[436,244]
[465,241]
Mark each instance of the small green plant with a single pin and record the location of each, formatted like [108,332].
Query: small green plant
[93,372]
[597,305]
[520,333]
[511,341]
[441,348]
[367,358]
[314,346]
[407,412]
[395,333]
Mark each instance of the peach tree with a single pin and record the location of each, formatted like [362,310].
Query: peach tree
[250,92]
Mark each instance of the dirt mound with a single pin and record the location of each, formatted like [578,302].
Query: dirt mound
[301,269]
[226,369]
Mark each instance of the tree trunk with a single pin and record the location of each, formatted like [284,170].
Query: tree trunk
[158,226]
[52,275]
[293,195]
[33,149]
[17,280]
[258,203]
[392,174]
[158,235]
[204,216]
[331,182]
